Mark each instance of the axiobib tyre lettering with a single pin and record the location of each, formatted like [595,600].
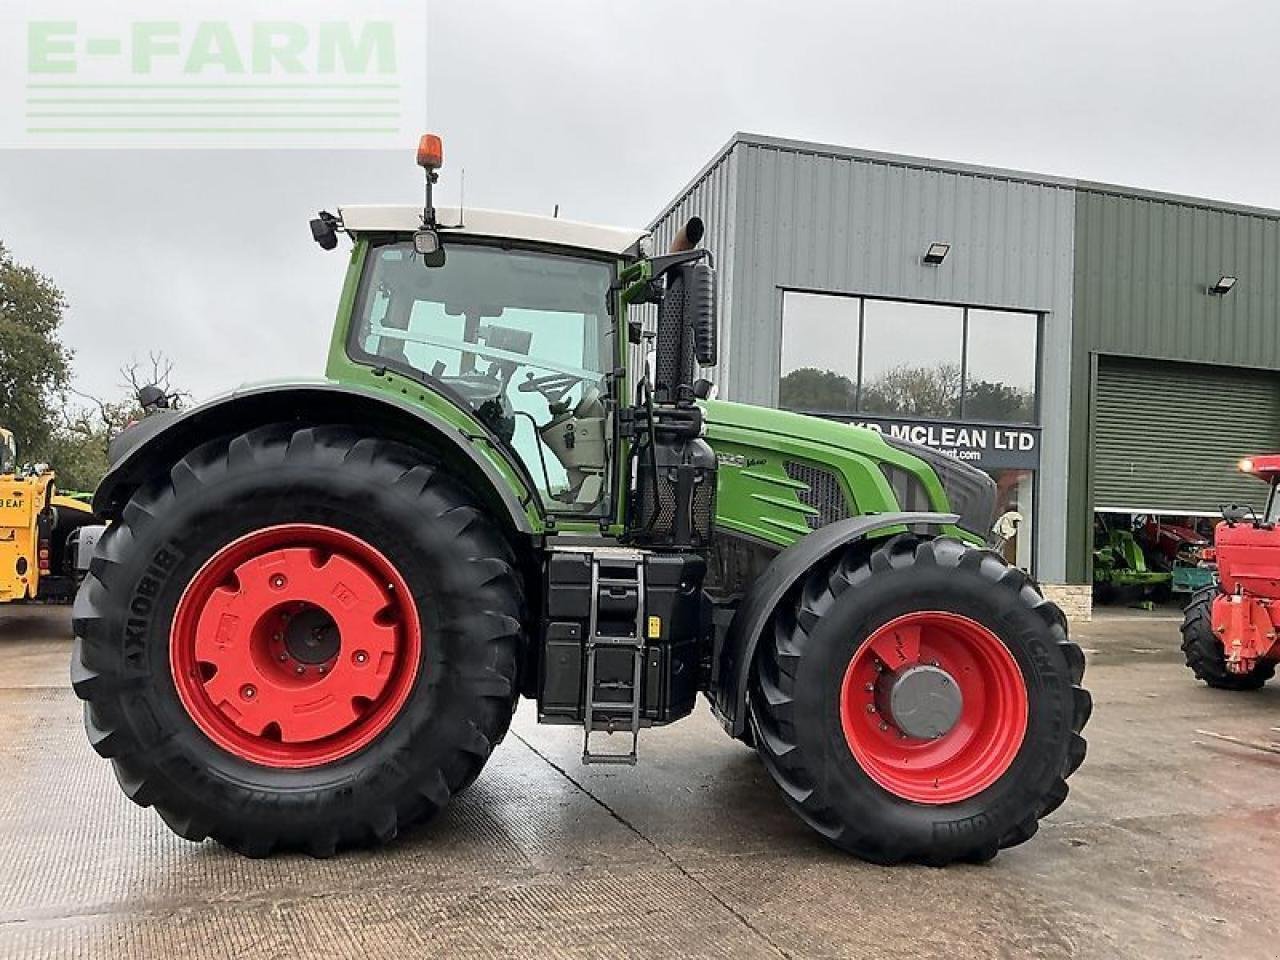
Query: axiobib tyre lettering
[466,594]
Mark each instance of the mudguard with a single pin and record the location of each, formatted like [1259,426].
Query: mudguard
[158,441]
[735,653]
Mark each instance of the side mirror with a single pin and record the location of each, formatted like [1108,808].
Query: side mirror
[1237,513]
[700,311]
[152,397]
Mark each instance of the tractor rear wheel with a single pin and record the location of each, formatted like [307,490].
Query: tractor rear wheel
[919,700]
[298,638]
[1203,651]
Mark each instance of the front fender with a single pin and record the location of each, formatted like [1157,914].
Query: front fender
[160,440]
[735,653]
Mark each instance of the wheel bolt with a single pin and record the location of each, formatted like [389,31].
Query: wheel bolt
[883,726]
[278,637]
[284,657]
[870,688]
[871,708]
[320,670]
[300,670]
[248,691]
[278,581]
[360,657]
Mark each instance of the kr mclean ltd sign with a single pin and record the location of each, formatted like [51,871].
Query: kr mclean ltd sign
[992,447]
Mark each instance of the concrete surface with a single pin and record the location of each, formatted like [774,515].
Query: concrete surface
[1167,847]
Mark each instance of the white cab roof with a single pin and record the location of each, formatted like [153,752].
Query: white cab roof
[494,223]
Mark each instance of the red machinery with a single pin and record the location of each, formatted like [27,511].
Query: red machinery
[1230,629]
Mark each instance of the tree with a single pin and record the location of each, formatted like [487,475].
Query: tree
[988,400]
[927,391]
[77,449]
[34,366]
[809,388]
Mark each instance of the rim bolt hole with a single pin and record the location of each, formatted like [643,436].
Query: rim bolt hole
[278,581]
[248,691]
[360,657]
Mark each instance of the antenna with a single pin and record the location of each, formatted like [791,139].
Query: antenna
[462,197]
[555,215]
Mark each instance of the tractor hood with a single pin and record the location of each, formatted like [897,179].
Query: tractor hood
[881,473]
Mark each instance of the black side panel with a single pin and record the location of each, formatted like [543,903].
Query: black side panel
[733,663]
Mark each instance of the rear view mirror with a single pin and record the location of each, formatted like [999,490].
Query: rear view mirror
[1237,512]
[700,311]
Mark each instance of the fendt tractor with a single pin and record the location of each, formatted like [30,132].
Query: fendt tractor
[318,603]
[1231,628]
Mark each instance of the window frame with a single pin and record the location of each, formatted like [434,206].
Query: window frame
[611,505]
[1038,318]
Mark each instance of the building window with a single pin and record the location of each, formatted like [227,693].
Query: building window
[896,358]
[959,380]
[814,376]
[912,359]
[1000,366]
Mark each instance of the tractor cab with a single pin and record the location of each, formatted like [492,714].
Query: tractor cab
[513,321]
[1247,543]
[1267,469]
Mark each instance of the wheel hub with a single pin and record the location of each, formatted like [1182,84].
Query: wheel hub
[933,707]
[923,701]
[311,636]
[295,645]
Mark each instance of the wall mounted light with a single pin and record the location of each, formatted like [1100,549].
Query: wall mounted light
[1224,286]
[936,253]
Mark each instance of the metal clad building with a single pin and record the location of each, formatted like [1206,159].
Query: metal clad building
[1040,347]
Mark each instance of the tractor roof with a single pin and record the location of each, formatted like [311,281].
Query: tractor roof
[405,218]
[1265,466]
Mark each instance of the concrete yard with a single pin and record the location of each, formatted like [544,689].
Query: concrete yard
[1169,846]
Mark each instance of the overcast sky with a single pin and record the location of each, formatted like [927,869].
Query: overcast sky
[607,109]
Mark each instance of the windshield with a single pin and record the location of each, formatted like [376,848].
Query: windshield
[522,339]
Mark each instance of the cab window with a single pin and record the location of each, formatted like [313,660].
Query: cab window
[521,339]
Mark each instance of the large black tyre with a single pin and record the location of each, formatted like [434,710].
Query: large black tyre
[456,707]
[796,699]
[1203,651]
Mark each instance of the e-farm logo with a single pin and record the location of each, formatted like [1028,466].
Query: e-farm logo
[324,73]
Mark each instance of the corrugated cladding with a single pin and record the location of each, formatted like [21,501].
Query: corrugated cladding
[825,219]
[711,196]
[1142,267]
[844,222]
[1153,447]
[1143,263]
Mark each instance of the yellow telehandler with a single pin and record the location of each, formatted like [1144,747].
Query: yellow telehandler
[46,538]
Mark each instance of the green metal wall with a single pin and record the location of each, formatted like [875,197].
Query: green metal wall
[1154,448]
[1142,263]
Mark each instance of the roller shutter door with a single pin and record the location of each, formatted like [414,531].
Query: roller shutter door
[1167,436]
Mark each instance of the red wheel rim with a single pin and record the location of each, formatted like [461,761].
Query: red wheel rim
[295,645]
[976,751]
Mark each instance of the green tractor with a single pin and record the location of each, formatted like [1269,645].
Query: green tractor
[319,603]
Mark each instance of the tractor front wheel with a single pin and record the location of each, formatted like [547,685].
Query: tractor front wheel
[298,638]
[919,700]
[1203,651]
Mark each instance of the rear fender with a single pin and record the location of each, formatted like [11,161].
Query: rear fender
[152,446]
[736,652]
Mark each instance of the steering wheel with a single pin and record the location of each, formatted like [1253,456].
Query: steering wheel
[553,386]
